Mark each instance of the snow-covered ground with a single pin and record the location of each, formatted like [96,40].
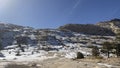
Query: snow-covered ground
[69,51]
[32,54]
[10,55]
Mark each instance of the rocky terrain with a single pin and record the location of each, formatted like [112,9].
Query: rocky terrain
[88,29]
[113,25]
[57,48]
[61,62]
[105,28]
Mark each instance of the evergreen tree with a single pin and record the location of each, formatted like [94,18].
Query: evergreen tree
[1,42]
[1,46]
[21,40]
[118,50]
[107,47]
[95,51]
[117,45]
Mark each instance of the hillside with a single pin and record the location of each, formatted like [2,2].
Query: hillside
[23,45]
[89,29]
[113,25]
[106,28]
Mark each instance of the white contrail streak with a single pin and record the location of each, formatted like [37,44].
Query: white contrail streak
[75,6]
[77,3]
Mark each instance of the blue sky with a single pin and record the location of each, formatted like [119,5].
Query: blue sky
[54,13]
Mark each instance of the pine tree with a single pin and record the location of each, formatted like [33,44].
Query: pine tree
[117,45]
[118,50]
[21,40]
[1,46]
[95,51]
[107,46]
[0,43]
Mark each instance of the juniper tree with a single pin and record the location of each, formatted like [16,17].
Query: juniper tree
[117,45]
[95,51]
[0,42]
[117,50]
[107,47]
[21,40]
[1,46]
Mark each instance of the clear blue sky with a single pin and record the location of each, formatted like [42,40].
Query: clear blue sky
[54,13]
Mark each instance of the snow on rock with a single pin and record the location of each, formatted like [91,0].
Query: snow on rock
[84,52]
[10,47]
[10,55]
[71,55]
[32,36]
[107,65]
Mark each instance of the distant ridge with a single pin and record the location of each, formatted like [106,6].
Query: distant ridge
[9,26]
[106,28]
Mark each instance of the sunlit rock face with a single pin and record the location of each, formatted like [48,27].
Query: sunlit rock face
[113,24]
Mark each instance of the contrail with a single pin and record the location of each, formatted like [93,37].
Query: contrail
[75,6]
[77,3]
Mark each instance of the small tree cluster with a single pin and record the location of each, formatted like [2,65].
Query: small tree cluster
[107,47]
[95,51]
[1,46]
[118,50]
[0,43]
[21,40]
[117,45]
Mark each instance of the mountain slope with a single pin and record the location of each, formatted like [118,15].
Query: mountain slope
[87,29]
[113,25]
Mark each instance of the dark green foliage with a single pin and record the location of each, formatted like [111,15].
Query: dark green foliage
[117,38]
[118,50]
[90,46]
[117,44]
[80,55]
[95,51]
[1,46]
[107,47]
[103,51]
[0,43]
[22,48]
[22,40]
